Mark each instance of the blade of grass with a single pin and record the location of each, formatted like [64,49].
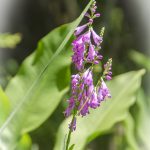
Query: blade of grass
[35,82]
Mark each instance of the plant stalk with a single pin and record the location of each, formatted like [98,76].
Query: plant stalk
[70,131]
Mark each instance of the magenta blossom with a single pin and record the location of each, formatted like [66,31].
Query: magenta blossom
[87,77]
[97,39]
[86,94]
[74,84]
[91,53]
[103,92]
[86,37]
[94,103]
[80,29]
[70,107]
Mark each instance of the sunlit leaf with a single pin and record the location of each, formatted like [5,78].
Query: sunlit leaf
[129,131]
[37,89]
[143,129]
[4,106]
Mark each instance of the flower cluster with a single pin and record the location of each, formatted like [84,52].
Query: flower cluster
[86,46]
[83,48]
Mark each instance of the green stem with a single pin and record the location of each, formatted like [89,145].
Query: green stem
[70,131]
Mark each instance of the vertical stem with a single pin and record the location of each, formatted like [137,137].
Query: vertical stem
[70,131]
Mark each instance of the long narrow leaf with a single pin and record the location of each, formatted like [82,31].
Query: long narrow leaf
[4,106]
[37,89]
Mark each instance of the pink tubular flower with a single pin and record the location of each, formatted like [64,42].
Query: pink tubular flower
[75,83]
[87,15]
[77,42]
[91,53]
[97,15]
[80,29]
[87,77]
[86,37]
[94,103]
[97,39]
[108,77]
[70,107]
[103,92]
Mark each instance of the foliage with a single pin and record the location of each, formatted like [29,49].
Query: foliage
[143,130]
[9,40]
[38,88]
[4,106]
[112,111]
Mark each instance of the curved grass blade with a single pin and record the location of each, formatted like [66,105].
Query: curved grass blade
[45,95]
[60,48]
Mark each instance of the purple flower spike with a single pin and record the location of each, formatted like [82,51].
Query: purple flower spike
[103,92]
[97,39]
[84,94]
[80,29]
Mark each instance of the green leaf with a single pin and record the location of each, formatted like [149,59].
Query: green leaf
[37,89]
[25,142]
[4,106]
[143,130]
[129,131]
[100,121]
